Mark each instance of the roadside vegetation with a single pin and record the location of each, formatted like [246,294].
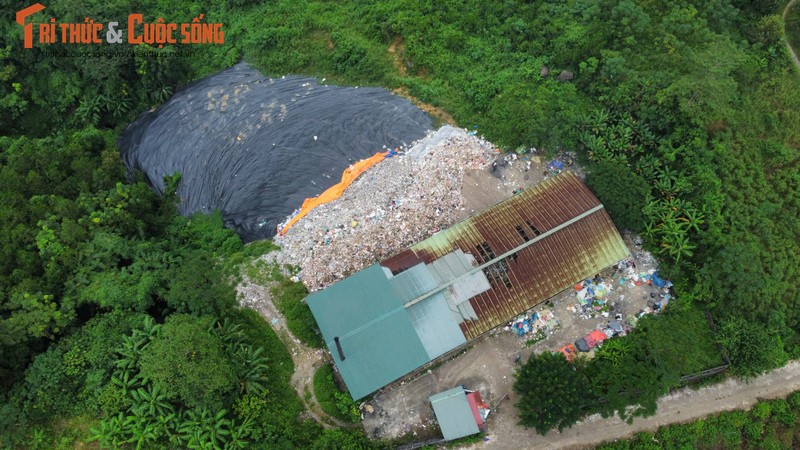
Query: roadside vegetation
[686,114]
[793,26]
[333,400]
[769,424]
[288,296]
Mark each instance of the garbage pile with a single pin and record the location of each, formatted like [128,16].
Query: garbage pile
[392,206]
[537,322]
[591,293]
[561,162]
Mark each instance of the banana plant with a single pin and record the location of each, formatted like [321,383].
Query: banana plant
[151,402]
[107,434]
[648,167]
[200,429]
[677,246]
[615,350]
[693,218]
[230,333]
[597,120]
[595,146]
[129,351]
[126,380]
[239,434]
[143,432]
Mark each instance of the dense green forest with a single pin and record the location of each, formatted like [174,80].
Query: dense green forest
[687,114]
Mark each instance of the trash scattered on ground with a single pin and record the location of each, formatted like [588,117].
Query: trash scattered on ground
[618,296]
[591,293]
[392,206]
[605,295]
[537,323]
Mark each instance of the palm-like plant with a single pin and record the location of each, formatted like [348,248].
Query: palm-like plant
[253,378]
[107,434]
[693,219]
[677,246]
[130,350]
[648,167]
[595,146]
[666,187]
[615,351]
[239,434]
[200,429]
[151,401]
[597,120]
[89,110]
[126,380]
[143,432]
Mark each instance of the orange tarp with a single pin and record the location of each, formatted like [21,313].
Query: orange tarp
[598,336]
[348,176]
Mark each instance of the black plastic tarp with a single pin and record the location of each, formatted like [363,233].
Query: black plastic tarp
[256,147]
[582,345]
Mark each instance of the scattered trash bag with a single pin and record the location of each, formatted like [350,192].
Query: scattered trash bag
[256,147]
[658,281]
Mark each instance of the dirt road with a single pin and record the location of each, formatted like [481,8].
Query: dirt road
[306,360]
[681,406]
[789,47]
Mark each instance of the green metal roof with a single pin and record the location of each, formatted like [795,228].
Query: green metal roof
[375,332]
[454,413]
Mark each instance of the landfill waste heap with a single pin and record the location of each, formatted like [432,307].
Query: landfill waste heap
[395,204]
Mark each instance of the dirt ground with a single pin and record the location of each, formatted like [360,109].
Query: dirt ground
[484,188]
[683,405]
[402,410]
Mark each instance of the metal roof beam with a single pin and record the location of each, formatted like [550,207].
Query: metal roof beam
[505,255]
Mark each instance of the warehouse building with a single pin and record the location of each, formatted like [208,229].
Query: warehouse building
[395,316]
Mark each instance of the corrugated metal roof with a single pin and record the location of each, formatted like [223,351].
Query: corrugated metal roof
[375,333]
[454,414]
[436,326]
[413,282]
[543,268]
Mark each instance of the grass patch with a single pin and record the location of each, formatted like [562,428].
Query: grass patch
[259,333]
[682,338]
[333,401]
[62,434]
[288,297]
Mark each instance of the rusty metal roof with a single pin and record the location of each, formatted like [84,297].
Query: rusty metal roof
[554,234]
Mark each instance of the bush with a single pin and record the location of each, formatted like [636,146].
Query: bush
[553,392]
[752,347]
[288,298]
[332,400]
[622,192]
[189,363]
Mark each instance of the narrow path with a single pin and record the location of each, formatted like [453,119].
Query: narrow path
[788,45]
[306,359]
[683,405]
